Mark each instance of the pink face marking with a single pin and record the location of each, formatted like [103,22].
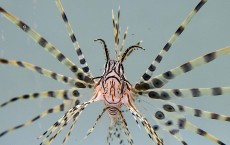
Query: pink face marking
[113,86]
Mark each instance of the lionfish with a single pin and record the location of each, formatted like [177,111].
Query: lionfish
[115,91]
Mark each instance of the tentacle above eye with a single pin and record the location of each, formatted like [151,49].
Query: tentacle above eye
[105,47]
[128,52]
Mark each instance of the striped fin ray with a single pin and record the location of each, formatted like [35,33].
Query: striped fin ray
[172,107]
[55,109]
[80,55]
[166,126]
[98,118]
[47,46]
[59,125]
[151,132]
[58,94]
[56,129]
[149,72]
[118,133]
[163,122]
[123,41]
[162,79]
[182,123]
[125,129]
[117,126]
[109,137]
[169,117]
[172,94]
[116,30]
[115,132]
[69,132]
[61,122]
[47,141]
[118,27]
[117,37]
[203,113]
[135,118]
[48,73]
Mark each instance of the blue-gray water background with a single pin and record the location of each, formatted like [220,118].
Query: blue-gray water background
[152,21]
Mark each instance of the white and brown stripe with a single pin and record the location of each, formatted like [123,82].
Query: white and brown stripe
[48,73]
[55,109]
[57,94]
[178,122]
[162,79]
[47,46]
[172,94]
[72,36]
[149,72]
